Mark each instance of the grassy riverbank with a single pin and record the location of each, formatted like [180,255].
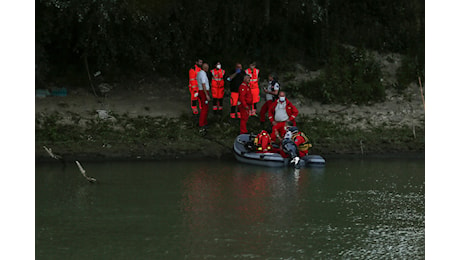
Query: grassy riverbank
[145,137]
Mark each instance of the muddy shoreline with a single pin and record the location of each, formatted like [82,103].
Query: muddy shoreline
[69,159]
[123,145]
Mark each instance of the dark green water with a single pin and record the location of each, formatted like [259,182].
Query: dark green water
[351,209]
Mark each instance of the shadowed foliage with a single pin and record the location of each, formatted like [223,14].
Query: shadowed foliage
[126,38]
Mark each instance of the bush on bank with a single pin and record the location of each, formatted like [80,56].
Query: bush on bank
[350,76]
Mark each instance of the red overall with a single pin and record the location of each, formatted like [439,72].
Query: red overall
[263,142]
[264,109]
[203,121]
[217,87]
[245,100]
[254,85]
[193,88]
[234,96]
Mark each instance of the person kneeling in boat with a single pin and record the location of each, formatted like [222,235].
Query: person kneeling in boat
[263,142]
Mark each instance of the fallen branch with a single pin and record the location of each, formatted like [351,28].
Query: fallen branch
[340,110]
[50,152]
[83,172]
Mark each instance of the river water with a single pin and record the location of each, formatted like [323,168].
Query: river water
[350,209]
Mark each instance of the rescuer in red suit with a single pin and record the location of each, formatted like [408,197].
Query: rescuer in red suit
[245,103]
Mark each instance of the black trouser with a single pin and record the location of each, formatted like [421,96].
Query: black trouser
[217,101]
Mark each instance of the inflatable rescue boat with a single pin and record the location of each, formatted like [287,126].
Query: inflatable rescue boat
[269,159]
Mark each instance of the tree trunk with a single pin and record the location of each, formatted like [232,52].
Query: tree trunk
[267,13]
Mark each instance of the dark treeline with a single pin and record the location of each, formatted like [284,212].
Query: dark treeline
[122,37]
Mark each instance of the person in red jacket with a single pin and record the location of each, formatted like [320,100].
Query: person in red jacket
[245,103]
[281,111]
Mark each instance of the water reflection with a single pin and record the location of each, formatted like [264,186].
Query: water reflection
[241,206]
[243,193]
[199,210]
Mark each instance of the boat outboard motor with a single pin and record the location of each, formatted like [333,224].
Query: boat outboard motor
[290,148]
[300,164]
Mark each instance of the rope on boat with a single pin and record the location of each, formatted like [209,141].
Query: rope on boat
[239,141]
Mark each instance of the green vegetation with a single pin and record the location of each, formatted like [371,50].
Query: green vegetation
[411,68]
[132,39]
[351,76]
[160,137]
[335,137]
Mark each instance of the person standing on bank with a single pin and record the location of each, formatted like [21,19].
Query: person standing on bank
[204,97]
[217,87]
[271,94]
[235,81]
[245,103]
[254,85]
[193,85]
[281,111]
